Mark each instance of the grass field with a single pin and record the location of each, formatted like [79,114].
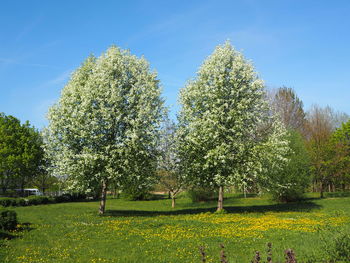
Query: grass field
[151,231]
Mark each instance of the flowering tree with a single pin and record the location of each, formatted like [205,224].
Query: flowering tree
[169,173]
[104,127]
[227,136]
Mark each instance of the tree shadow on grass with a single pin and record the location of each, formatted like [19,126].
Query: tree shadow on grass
[305,206]
[6,235]
[13,235]
[150,197]
[24,227]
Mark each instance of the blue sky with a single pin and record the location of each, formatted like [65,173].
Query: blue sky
[300,44]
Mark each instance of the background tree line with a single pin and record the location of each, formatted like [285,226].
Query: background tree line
[22,162]
[325,136]
[110,130]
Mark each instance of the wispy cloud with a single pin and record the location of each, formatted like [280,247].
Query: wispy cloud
[58,80]
[29,27]
[31,55]
[41,109]
[253,36]
[12,61]
[7,61]
[175,21]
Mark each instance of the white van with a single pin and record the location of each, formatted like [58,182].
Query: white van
[30,191]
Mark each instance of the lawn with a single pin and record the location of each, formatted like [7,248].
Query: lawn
[151,231]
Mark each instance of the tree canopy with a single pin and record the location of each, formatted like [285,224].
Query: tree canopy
[224,122]
[21,153]
[105,124]
[287,105]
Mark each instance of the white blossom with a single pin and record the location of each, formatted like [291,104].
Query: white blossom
[105,124]
[227,133]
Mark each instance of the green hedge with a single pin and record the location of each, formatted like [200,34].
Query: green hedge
[199,194]
[8,201]
[41,200]
[38,200]
[8,220]
[337,194]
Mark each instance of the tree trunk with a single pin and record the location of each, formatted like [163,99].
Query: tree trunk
[115,192]
[103,198]
[4,190]
[173,201]
[221,199]
[321,190]
[22,189]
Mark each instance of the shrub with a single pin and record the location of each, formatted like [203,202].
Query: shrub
[335,242]
[337,194]
[32,200]
[8,220]
[41,200]
[62,198]
[138,188]
[198,194]
[289,184]
[69,197]
[20,202]
[338,246]
[342,247]
[77,196]
[44,200]
[134,194]
[8,202]
[37,200]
